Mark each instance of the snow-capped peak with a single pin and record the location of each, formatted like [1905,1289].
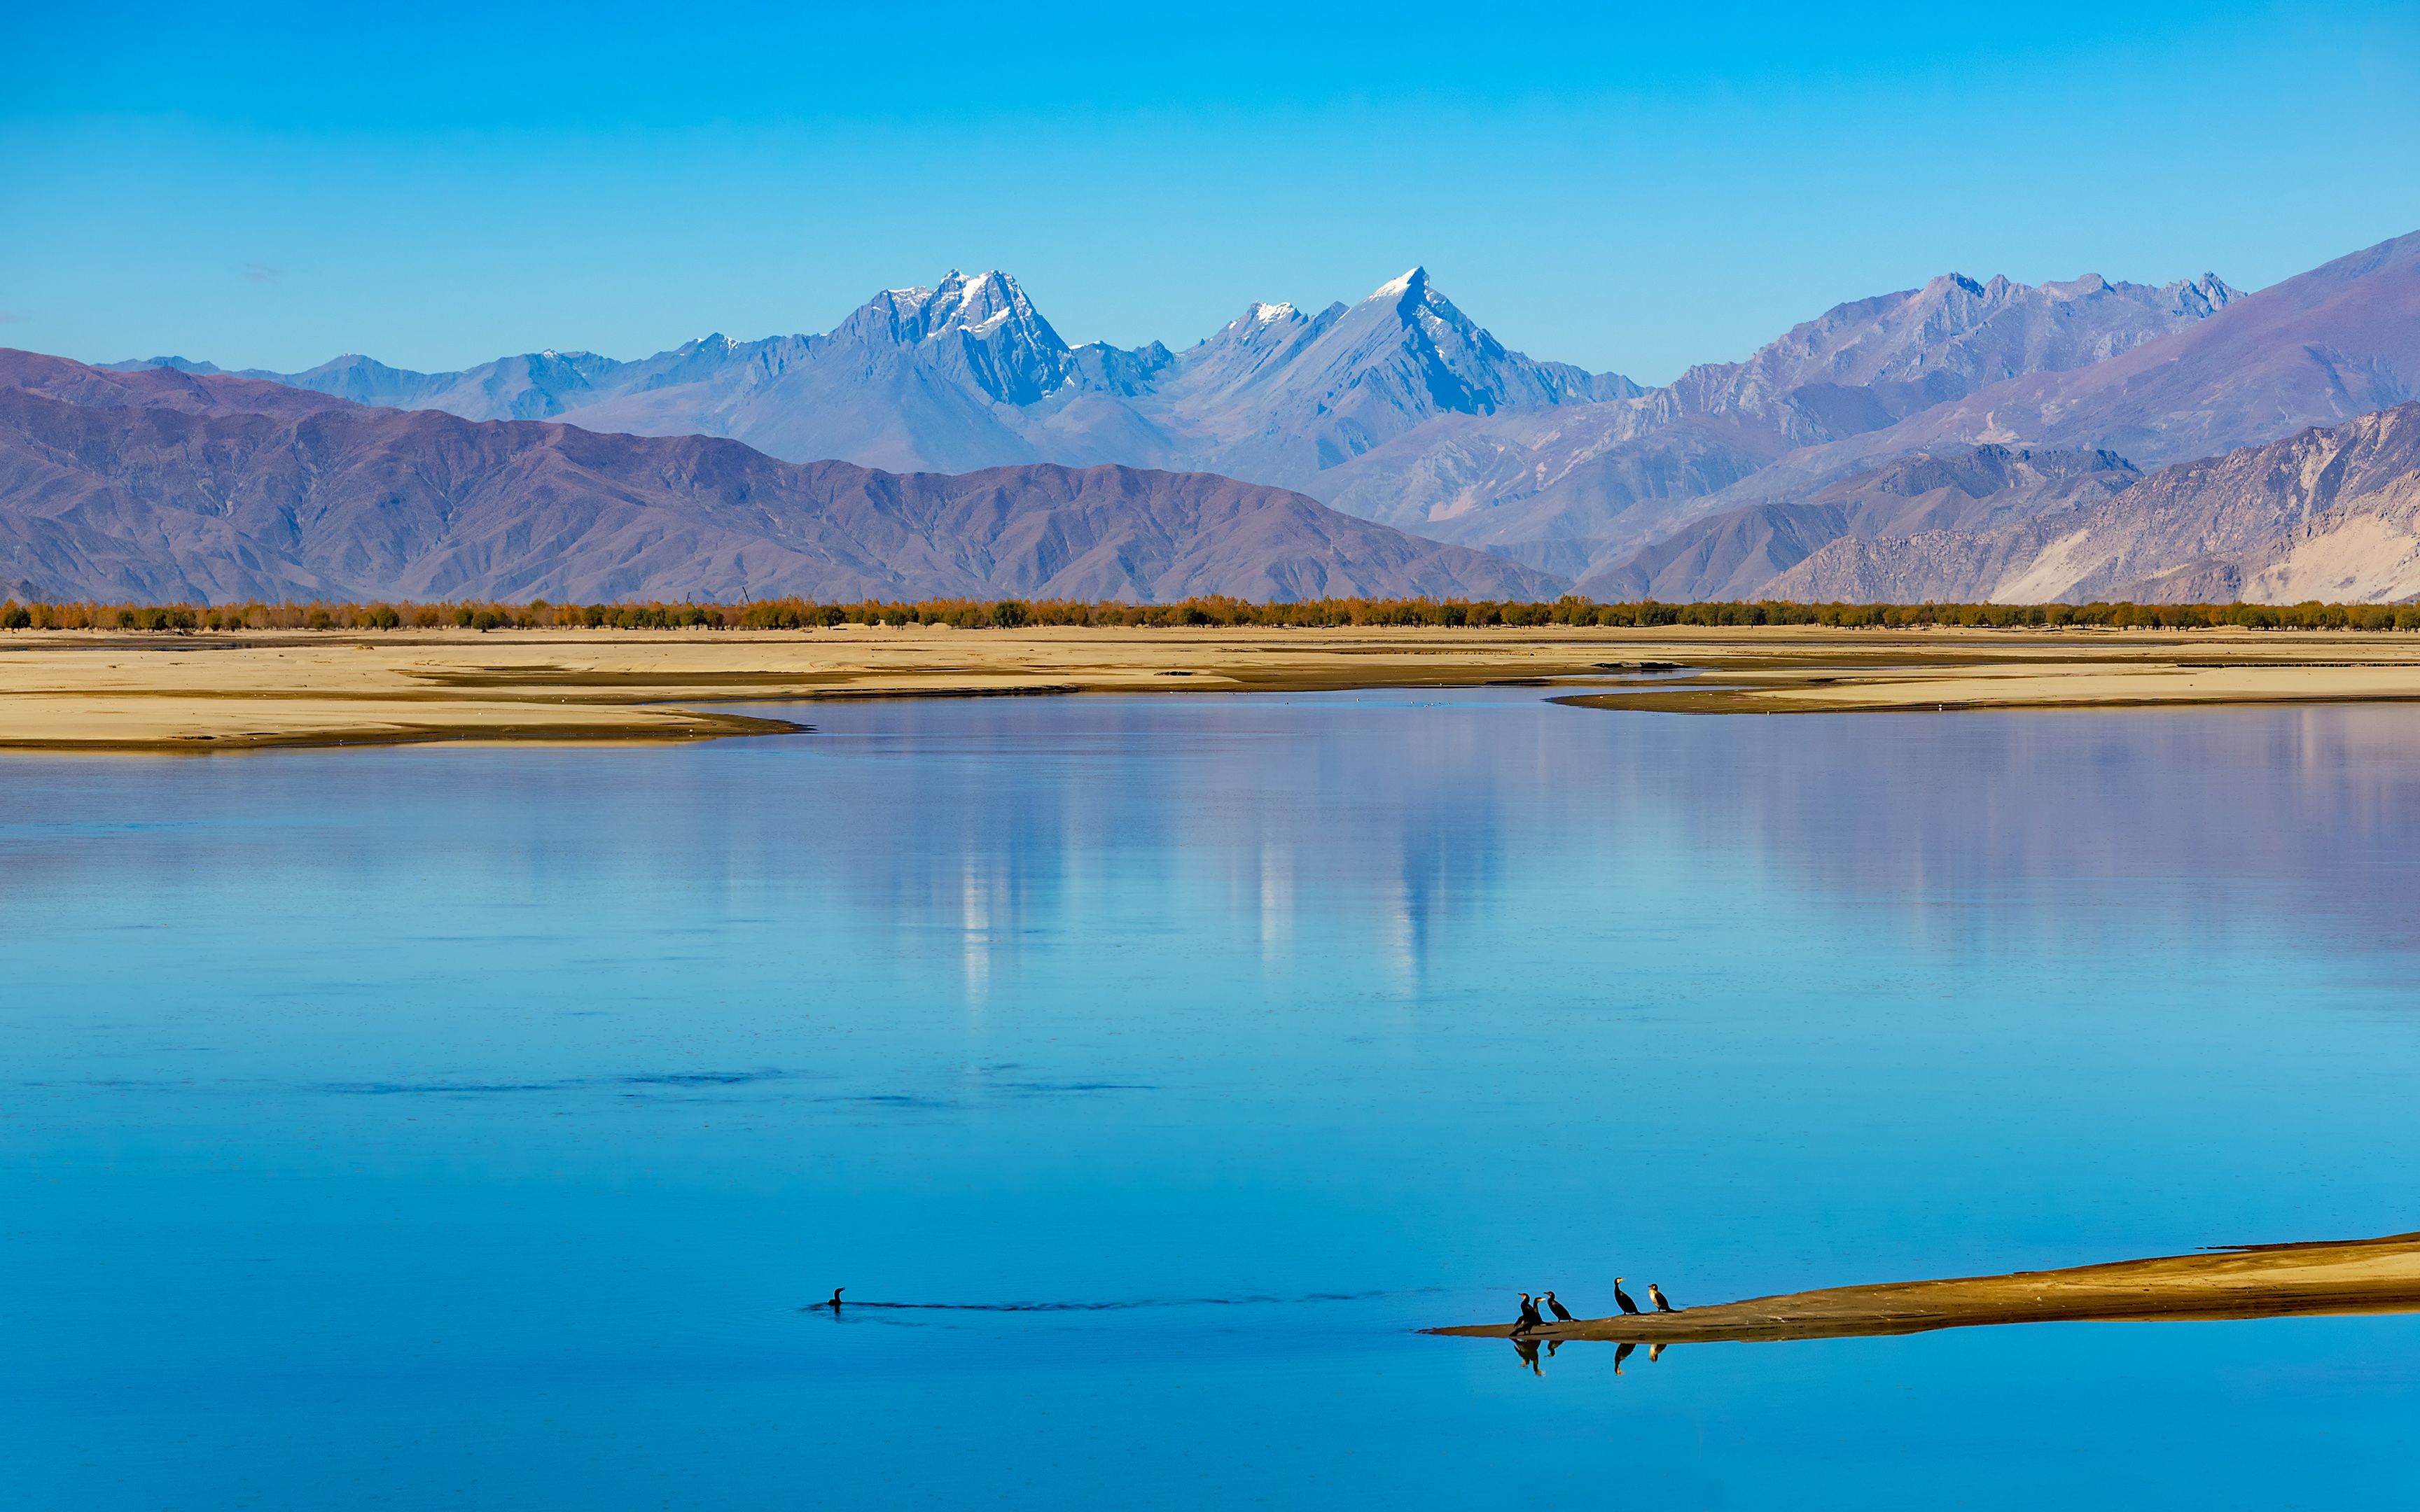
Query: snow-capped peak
[1263,314]
[1395,288]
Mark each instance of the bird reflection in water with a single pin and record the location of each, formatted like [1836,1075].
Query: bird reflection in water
[1526,1348]
[1625,1349]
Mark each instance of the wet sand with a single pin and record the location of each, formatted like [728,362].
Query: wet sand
[2363,1275]
[98,691]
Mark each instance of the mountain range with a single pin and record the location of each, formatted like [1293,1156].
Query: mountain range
[968,375]
[161,485]
[1399,408]
[1959,408]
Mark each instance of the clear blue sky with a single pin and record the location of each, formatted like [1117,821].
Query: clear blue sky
[1627,187]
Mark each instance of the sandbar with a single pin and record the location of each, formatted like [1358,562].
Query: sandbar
[2333,1277]
[224,691]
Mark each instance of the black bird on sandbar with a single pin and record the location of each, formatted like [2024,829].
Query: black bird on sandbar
[1562,1314]
[1529,1318]
[1621,1298]
[834,1303]
[1658,1296]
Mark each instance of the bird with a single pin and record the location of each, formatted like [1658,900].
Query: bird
[1562,1314]
[1621,1298]
[1661,1305]
[1529,1318]
[834,1303]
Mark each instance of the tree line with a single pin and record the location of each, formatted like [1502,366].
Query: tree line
[1320,613]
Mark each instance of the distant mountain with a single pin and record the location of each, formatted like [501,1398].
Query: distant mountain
[1737,554]
[165,485]
[917,379]
[2329,514]
[1576,489]
[1862,365]
[967,374]
[1280,396]
[528,387]
[2339,341]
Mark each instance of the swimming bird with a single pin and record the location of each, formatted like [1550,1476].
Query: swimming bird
[1529,1318]
[1562,1314]
[1661,1305]
[834,1303]
[1621,1298]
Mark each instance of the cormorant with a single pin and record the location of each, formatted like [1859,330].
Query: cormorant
[1621,1353]
[1661,1305]
[834,1303]
[1527,1351]
[1529,1318]
[1621,1298]
[1562,1314]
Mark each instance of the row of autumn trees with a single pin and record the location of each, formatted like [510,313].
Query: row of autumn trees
[1322,613]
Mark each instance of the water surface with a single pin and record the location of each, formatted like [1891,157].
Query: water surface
[468,1126]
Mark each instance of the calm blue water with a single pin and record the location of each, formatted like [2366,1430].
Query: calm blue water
[462,1127]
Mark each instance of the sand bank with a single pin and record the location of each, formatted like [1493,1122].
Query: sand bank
[94,691]
[2362,1276]
[1850,672]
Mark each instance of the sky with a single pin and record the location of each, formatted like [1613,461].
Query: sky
[1633,188]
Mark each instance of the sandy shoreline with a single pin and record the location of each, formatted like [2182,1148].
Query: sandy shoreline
[2368,1276]
[111,690]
